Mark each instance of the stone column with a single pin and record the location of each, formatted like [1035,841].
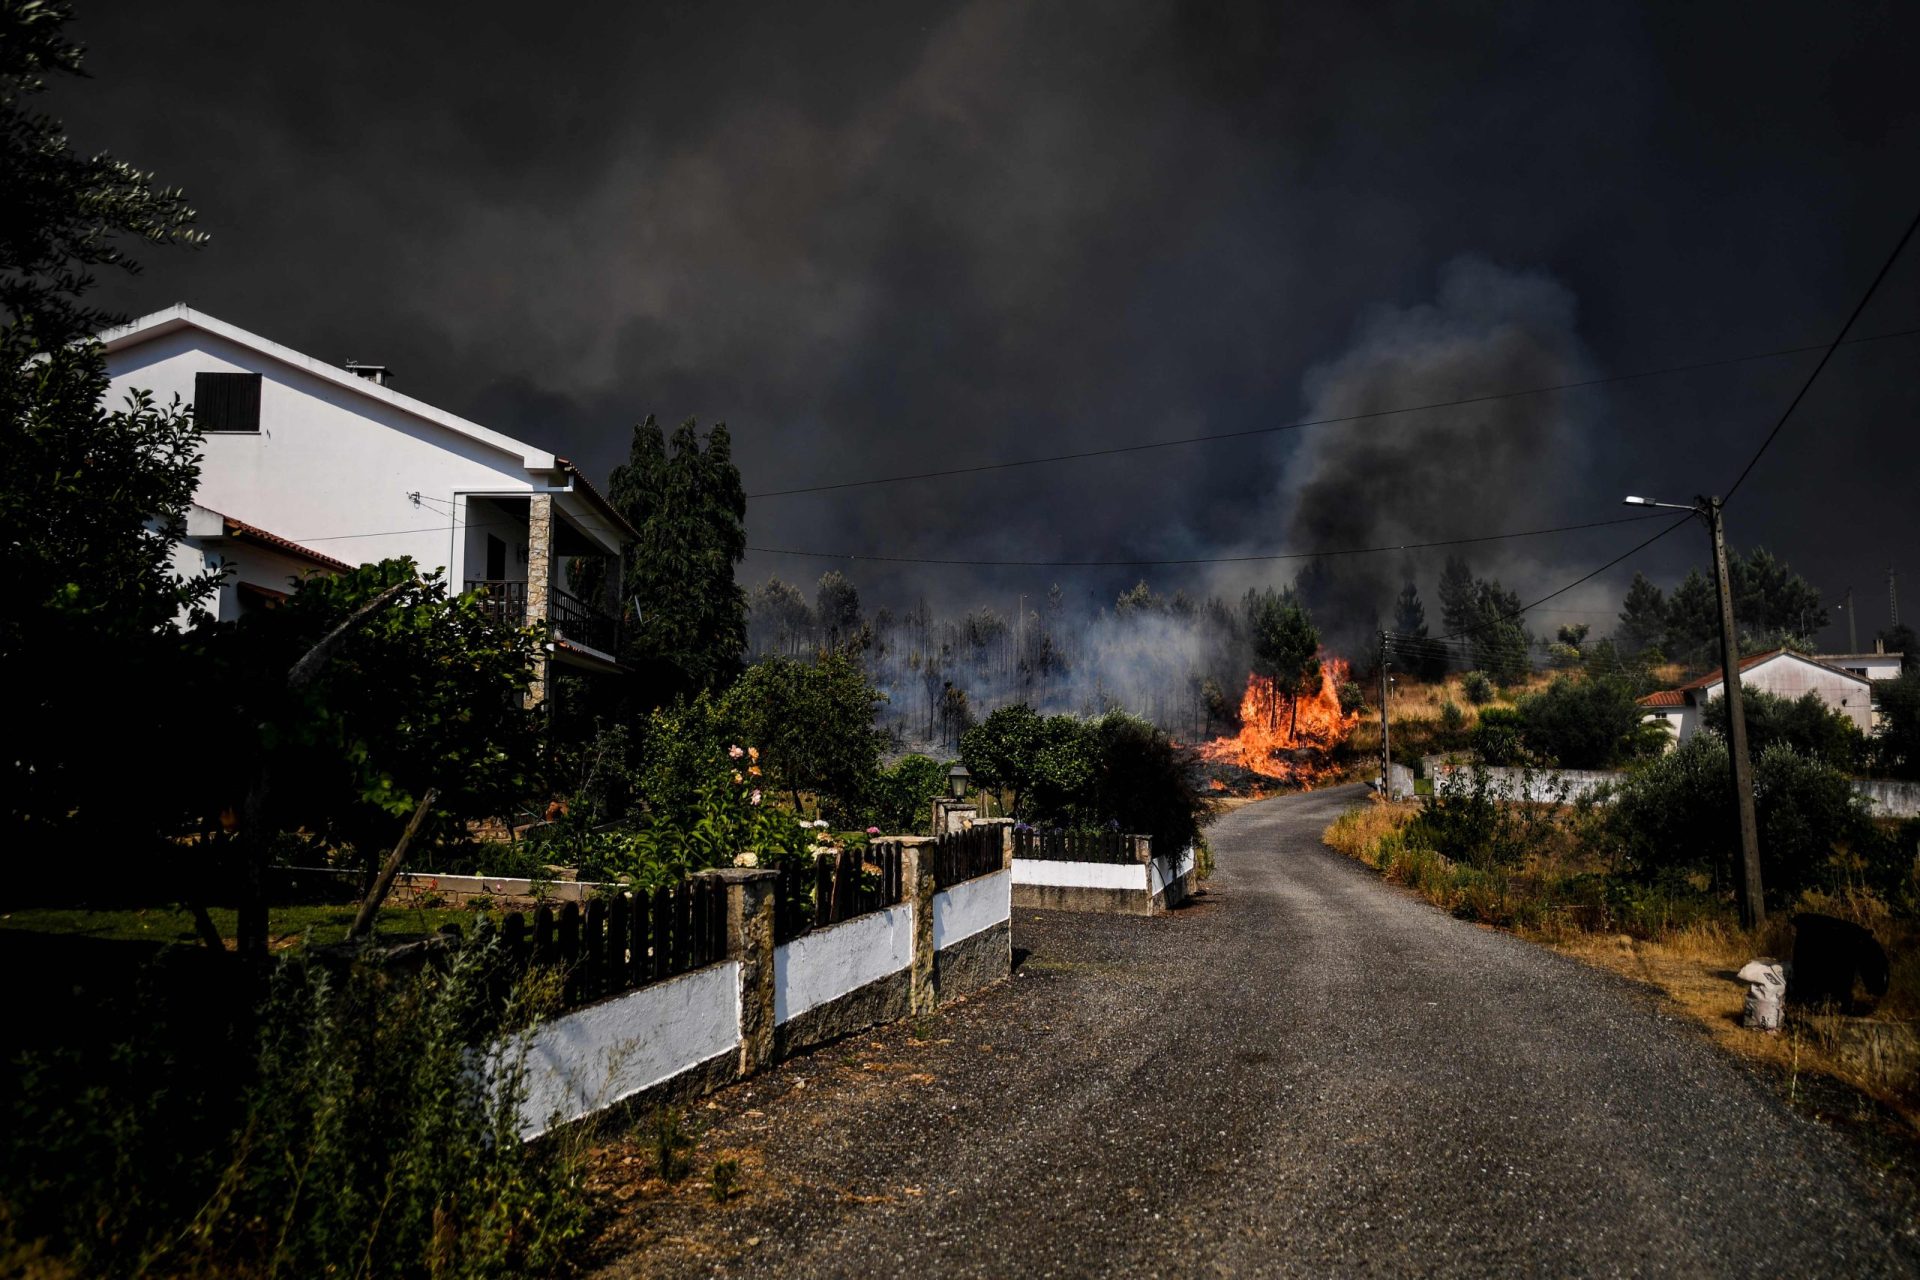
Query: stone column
[750,941]
[539,583]
[916,874]
[951,815]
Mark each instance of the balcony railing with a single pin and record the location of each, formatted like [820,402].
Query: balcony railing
[571,617]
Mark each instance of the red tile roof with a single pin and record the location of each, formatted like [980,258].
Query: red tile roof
[1664,698]
[1713,677]
[245,532]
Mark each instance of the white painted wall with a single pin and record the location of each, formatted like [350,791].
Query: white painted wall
[1793,677]
[591,1058]
[831,962]
[1128,876]
[333,466]
[970,907]
[1163,871]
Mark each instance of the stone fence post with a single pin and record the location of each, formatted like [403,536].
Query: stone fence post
[917,890]
[750,941]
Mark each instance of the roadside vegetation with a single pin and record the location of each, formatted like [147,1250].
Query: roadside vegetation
[1637,878]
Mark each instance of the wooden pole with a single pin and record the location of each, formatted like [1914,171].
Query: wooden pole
[363,922]
[1747,885]
[1386,753]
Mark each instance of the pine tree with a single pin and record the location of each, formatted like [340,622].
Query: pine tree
[1286,648]
[1643,616]
[687,619]
[1427,660]
[1693,622]
[1457,596]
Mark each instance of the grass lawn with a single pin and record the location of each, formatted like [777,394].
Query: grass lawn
[287,926]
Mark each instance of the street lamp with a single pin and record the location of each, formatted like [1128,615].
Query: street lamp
[1753,905]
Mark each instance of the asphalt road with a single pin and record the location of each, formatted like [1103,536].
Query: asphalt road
[1307,1073]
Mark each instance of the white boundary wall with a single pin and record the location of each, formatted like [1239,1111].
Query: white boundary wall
[832,962]
[1160,874]
[971,907]
[1884,797]
[1130,877]
[587,1060]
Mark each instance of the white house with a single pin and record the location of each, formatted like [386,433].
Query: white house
[1778,671]
[312,467]
[1878,665]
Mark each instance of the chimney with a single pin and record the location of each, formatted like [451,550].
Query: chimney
[378,374]
[1880,645]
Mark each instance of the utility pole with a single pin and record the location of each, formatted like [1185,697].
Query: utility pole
[1748,890]
[1386,754]
[1747,886]
[1893,600]
[1853,632]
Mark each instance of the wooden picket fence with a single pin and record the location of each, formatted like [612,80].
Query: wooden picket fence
[963,855]
[1074,846]
[838,886]
[623,941]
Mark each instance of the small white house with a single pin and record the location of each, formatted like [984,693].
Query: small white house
[311,467]
[1878,665]
[1779,671]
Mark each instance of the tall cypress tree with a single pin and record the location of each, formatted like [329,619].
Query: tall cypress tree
[686,623]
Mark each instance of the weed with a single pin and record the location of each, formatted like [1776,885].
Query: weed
[726,1178]
[667,1133]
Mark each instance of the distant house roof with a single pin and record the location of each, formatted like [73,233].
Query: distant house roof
[1858,657]
[1678,697]
[241,531]
[181,316]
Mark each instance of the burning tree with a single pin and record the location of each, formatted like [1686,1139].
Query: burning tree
[1286,651]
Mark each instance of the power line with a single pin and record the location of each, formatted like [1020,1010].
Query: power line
[1322,422]
[1833,346]
[1630,551]
[1106,564]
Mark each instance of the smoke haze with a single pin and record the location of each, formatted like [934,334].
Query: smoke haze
[888,239]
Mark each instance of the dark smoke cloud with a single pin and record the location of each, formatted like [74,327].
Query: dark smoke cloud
[1455,472]
[879,238]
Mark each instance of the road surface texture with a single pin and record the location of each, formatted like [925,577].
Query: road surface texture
[1307,1072]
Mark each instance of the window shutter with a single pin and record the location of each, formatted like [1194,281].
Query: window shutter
[226,401]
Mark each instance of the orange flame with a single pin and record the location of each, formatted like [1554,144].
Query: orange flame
[1289,741]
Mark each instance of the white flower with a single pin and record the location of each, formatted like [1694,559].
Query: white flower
[747,859]
[734,753]
[756,797]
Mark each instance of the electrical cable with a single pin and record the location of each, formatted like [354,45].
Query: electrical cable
[1833,346]
[1630,551]
[1322,422]
[1288,555]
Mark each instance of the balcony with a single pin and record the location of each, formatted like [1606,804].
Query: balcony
[573,620]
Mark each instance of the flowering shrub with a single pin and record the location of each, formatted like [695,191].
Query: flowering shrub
[732,826]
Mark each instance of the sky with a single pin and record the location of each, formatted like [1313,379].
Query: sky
[886,239]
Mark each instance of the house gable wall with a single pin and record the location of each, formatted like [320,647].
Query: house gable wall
[1789,676]
[328,468]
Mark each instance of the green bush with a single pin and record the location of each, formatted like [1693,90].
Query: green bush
[1675,814]
[1477,687]
[1806,724]
[1585,724]
[901,799]
[372,1139]
[1498,737]
[1066,771]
